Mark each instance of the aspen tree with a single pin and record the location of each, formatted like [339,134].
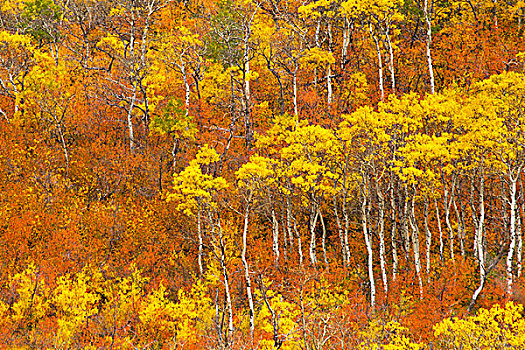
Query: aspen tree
[253,176]
[130,51]
[15,64]
[194,191]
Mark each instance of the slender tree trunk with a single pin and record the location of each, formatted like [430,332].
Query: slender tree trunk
[379,63]
[294,81]
[285,239]
[365,212]
[460,227]
[382,250]
[273,314]
[62,142]
[329,70]
[391,54]
[246,267]
[428,21]
[130,121]
[314,214]
[199,234]
[339,230]
[317,30]
[182,67]
[519,233]
[346,42]
[415,242]
[299,243]
[448,202]
[289,224]
[248,133]
[393,235]
[479,240]
[428,238]
[474,214]
[512,245]
[323,242]
[227,292]
[440,230]
[405,228]
[275,231]
[346,218]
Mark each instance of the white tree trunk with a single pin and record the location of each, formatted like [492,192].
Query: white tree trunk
[379,63]
[329,70]
[440,230]
[428,21]
[512,245]
[391,63]
[365,206]
[480,248]
[428,238]
[415,243]
[314,214]
[246,268]
[382,250]
[393,234]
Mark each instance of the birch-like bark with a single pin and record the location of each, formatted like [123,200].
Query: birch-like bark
[130,120]
[329,70]
[187,91]
[275,232]
[415,242]
[247,92]
[440,229]
[379,62]
[285,237]
[199,235]
[393,235]
[339,230]
[447,203]
[474,214]
[428,237]
[314,214]
[479,240]
[227,292]
[381,231]
[323,241]
[365,212]
[346,42]
[391,62]
[246,267]
[513,180]
[294,81]
[519,233]
[405,223]
[460,226]
[62,141]
[317,44]
[346,216]
[289,219]
[299,243]
[428,21]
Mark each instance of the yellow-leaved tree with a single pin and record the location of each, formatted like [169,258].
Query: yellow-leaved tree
[497,328]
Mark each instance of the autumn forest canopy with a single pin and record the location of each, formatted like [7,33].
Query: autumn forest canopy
[261,174]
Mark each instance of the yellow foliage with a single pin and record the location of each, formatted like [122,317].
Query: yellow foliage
[317,57]
[33,295]
[497,328]
[76,299]
[386,336]
[287,315]
[192,188]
